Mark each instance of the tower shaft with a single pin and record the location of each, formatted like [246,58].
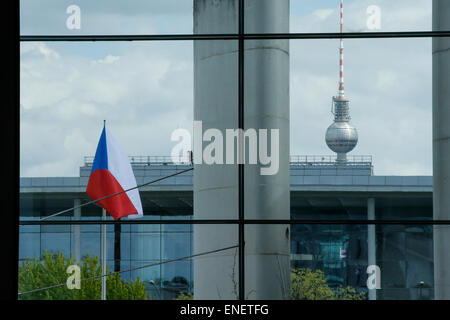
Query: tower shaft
[341,54]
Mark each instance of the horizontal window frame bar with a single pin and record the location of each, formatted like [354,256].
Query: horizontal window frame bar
[238,221]
[143,37]
[348,35]
[236,36]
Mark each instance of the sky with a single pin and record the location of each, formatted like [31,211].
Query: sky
[145,89]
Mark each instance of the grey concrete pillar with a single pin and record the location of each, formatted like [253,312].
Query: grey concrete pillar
[76,232]
[216,186]
[267,248]
[441,148]
[371,242]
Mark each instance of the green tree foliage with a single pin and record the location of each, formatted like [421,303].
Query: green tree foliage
[349,293]
[185,296]
[51,270]
[309,285]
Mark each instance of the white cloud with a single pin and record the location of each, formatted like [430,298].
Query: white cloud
[322,14]
[108,59]
[38,49]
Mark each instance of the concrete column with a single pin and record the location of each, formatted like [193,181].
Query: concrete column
[267,250]
[216,186]
[76,232]
[371,242]
[441,148]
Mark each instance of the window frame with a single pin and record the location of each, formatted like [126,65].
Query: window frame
[11,131]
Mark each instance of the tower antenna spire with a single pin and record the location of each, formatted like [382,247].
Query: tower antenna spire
[341,54]
[341,136]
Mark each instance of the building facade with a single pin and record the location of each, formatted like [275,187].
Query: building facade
[320,191]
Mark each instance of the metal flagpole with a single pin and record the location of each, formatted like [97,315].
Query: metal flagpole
[104,249]
[104,256]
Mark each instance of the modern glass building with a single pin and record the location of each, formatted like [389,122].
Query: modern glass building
[321,191]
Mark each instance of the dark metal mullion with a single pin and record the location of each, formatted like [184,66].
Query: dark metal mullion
[348,35]
[237,221]
[130,37]
[241,237]
[248,36]
[117,245]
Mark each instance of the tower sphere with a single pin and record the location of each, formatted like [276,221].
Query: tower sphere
[341,137]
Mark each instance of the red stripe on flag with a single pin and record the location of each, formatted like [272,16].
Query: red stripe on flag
[101,184]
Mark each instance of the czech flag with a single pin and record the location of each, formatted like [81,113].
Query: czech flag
[112,173]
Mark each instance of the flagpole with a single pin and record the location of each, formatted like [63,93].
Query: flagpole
[103,256]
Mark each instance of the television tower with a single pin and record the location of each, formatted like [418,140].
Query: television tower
[341,136]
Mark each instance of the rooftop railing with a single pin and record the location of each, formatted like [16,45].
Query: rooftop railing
[303,160]
[315,160]
[148,160]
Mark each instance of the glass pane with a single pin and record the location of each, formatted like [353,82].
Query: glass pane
[348,259]
[54,242]
[85,83]
[159,263]
[148,84]
[145,246]
[141,259]
[176,244]
[167,72]
[390,106]
[45,17]
[32,248]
